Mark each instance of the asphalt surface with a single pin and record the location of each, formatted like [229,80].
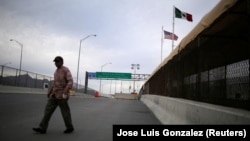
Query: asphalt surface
[93,118]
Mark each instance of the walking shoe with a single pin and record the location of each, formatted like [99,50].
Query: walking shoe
[39,130]
[69,130]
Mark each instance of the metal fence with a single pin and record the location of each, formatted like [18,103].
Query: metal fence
[212,68]
[224,85]
[14,77]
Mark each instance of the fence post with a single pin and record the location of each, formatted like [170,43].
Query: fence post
[16,79]
[1,75]
[26,80]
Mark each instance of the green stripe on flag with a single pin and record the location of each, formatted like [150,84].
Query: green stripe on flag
[178,13]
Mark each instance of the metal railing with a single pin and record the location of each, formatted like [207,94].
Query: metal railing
[12,77]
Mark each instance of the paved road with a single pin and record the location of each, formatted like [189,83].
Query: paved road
[92,117]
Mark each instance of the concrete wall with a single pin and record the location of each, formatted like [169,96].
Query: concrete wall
[24,90]
[12,89]
[181,111]
[125,96]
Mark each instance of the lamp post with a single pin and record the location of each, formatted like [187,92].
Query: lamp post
[100,78]
[134,67]
[79,57]
[20,67]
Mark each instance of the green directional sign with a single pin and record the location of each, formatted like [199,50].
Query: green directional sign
[113,75]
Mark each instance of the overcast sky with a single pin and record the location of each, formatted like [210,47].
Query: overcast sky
[128,32]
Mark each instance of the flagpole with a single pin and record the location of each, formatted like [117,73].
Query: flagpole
[173,28]
[161,41]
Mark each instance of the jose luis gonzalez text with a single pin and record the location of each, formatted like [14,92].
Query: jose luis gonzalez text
[166,132]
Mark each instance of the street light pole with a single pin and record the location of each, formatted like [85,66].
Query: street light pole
[79,57]
[134,67]
[100,78]
[20,66]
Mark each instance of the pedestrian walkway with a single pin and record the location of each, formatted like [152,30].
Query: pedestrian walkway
[93,118]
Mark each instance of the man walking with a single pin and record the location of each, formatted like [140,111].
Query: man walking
[58,95]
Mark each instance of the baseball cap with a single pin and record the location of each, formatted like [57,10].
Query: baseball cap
[58,58]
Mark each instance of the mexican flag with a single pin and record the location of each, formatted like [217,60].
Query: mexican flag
[183,15]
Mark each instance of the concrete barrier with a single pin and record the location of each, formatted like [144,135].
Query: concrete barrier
[181,111]
[125,96]
[107,95]
[24,90]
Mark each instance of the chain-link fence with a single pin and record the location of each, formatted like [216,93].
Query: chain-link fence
[15,77]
